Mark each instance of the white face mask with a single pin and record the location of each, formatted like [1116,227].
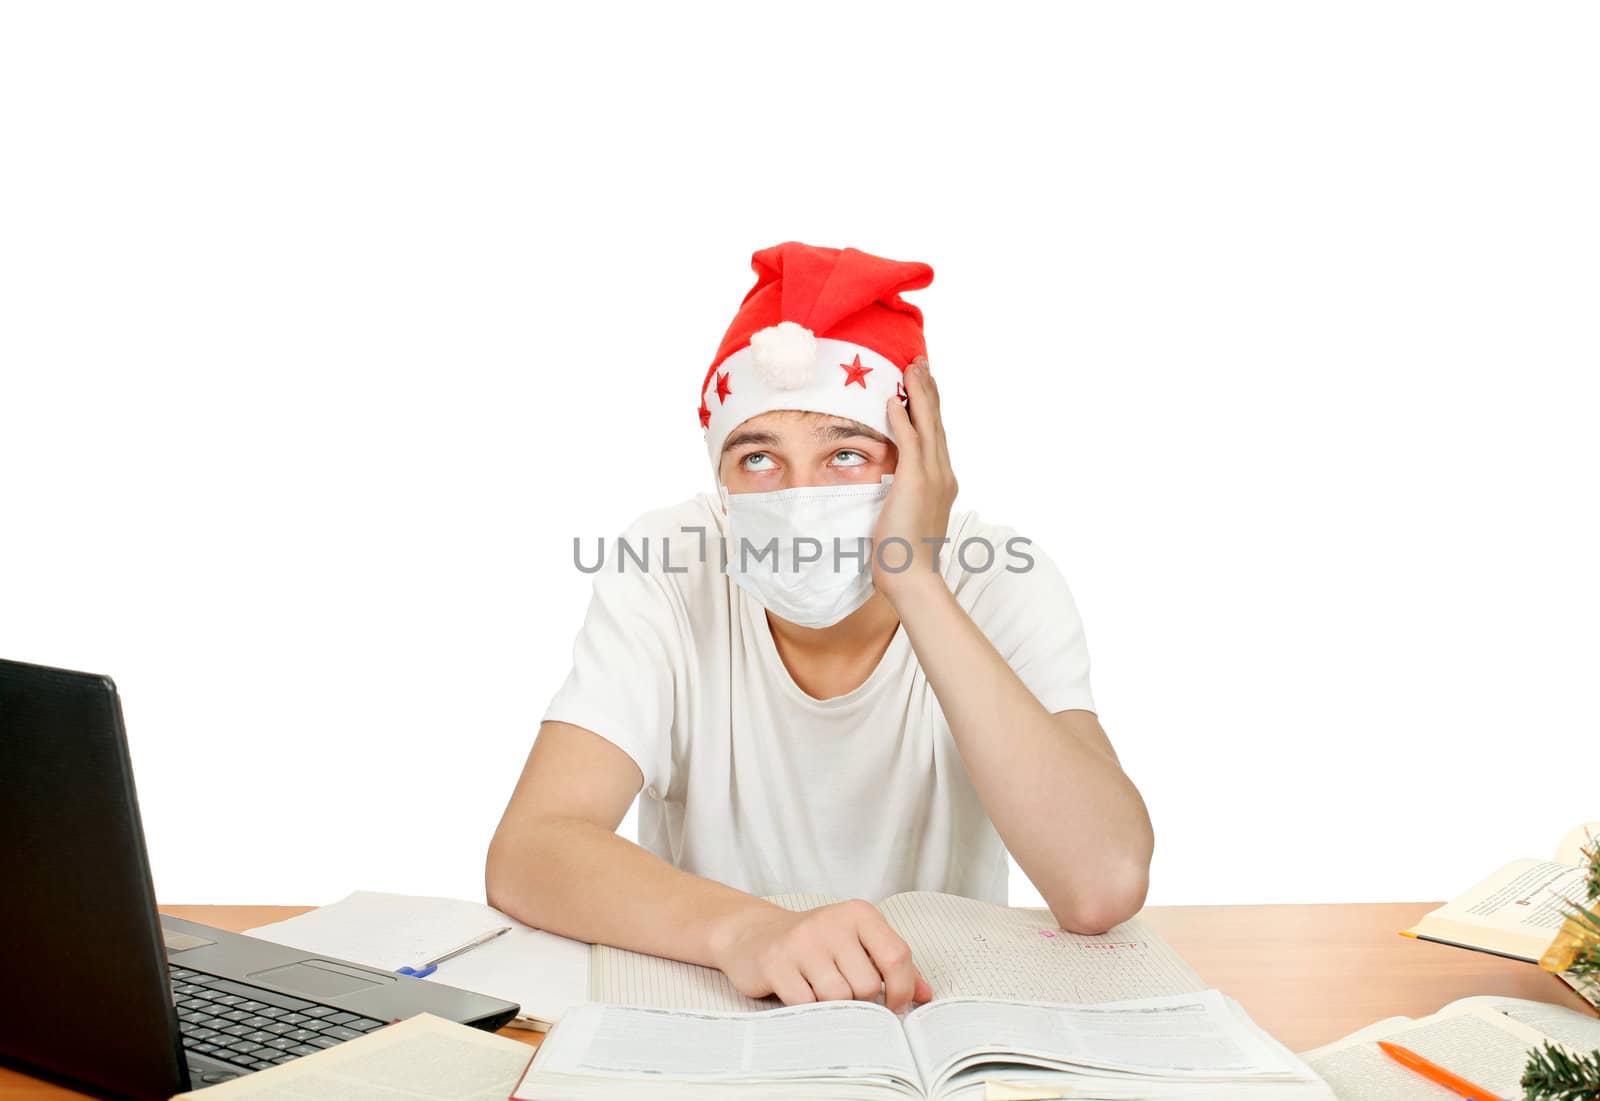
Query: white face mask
[801,578]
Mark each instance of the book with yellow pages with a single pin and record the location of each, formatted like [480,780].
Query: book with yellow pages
[1519,910]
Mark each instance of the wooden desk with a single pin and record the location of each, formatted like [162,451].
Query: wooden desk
[1307,974]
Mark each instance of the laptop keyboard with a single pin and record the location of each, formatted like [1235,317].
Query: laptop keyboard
[252,1028]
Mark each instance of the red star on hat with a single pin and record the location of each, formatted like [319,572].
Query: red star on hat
[722,389]
[856,373]
[705,414]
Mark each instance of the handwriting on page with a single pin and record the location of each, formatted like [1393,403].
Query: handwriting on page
[963,947]
[968,948]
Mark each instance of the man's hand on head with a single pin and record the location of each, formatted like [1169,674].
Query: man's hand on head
[916,512]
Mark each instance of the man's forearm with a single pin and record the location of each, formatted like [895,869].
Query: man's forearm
[1065,809]
[578,880]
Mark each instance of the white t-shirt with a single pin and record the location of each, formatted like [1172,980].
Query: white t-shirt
[750,781]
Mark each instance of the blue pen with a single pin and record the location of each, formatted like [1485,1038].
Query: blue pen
[432,965]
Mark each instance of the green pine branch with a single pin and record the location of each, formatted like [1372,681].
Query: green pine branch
[1587,961]
[1592,881]
[1553,1075]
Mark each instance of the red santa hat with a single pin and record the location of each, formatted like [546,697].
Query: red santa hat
[823,330]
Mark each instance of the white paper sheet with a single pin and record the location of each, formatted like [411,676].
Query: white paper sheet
[542,972]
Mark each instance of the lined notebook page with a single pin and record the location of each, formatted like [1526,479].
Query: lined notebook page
[968,948]
[632,978]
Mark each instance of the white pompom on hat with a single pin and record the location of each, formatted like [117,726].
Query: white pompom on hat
[785,355]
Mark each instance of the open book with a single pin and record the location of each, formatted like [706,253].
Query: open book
[962,946]
[1485,1040]
[1518,910]
[1196,1045]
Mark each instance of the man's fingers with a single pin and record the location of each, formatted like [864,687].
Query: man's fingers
[859,971]
[826,980]
[924,992]
[892,957]
[938,453]
[905,435]
[930,386]
[791,987]
[922,407]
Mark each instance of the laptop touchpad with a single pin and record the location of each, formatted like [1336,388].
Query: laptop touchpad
[312,980]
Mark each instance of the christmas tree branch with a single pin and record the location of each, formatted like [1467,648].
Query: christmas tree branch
[1552,1074]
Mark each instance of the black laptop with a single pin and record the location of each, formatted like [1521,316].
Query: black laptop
[99,990]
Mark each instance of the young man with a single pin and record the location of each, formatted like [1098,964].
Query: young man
[802,723]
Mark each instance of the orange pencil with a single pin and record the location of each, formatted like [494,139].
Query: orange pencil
[1435,1073]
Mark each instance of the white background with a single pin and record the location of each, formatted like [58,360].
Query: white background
[325,327]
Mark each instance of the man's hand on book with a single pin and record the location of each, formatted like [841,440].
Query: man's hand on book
[832,953]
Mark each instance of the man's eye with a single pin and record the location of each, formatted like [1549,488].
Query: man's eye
[754,460]
[849,458]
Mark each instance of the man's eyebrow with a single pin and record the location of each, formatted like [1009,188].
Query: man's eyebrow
[738,439]
[824,432]
[848,431]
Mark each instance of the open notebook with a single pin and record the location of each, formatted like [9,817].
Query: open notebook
[1484,1039]
[1196,1045]
[963,947]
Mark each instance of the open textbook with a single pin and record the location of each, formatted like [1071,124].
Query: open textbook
[1518,910]
[963,947]
[1194,1045]
[1483,1039]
